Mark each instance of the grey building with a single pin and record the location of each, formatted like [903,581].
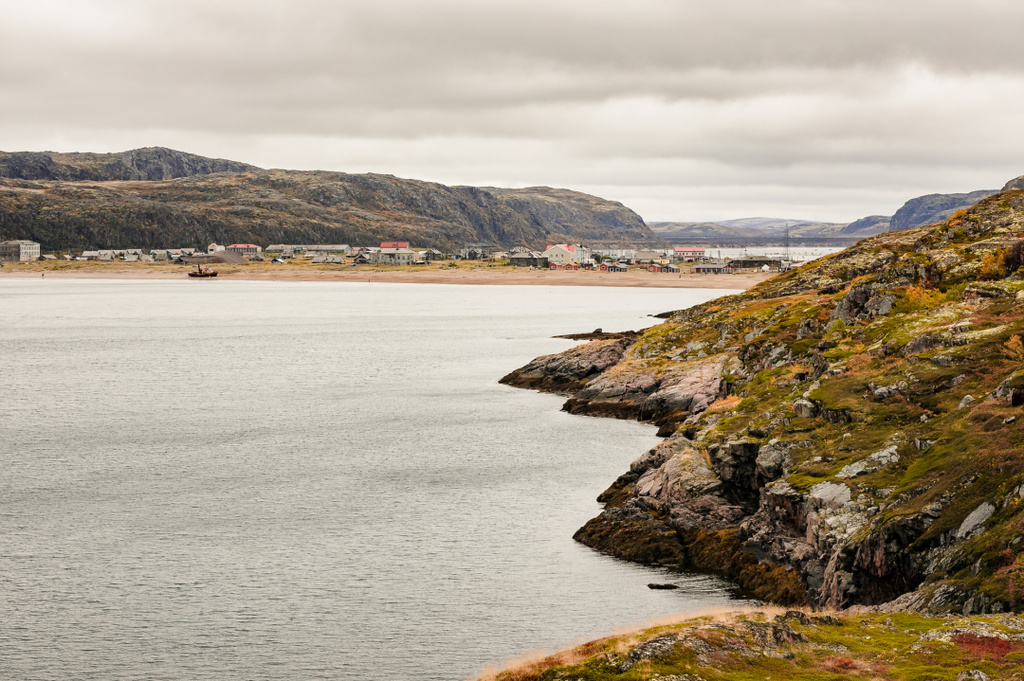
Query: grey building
[19,250]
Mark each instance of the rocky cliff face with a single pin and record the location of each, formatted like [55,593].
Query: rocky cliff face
[157,198]
[848,433]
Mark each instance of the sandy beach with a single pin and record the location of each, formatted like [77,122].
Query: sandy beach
[464,274]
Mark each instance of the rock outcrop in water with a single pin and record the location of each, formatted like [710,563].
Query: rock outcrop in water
[847,433]
[160,198]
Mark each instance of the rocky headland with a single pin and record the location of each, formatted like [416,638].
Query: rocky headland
[849,433]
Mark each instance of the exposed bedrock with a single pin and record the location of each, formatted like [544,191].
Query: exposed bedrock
[569,371]
[665,398]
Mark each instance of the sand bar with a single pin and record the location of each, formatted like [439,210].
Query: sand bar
[466,274]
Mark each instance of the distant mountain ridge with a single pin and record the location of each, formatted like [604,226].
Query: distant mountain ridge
[917,212]
[161,198]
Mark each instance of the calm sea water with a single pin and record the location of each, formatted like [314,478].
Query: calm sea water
[243,480]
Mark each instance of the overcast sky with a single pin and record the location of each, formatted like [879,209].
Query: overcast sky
[681,109]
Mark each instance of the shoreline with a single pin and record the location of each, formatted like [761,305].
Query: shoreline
[467,276]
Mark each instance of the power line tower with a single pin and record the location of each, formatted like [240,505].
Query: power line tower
[785,253]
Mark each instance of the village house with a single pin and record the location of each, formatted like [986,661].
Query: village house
[19,250]
[477,251]
[712,268]
[432,254]
[521,256]
[393,253]
[563,254]
[245,250]
[687,253]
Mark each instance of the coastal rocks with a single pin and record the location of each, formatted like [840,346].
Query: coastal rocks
[630,532]
[686,490]
[684,390]
[883,569]
[770,636]
[898,503]
[618,396]
[820,534]
[736,465]
[569,371]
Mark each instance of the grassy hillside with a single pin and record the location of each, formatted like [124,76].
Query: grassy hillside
[796,646]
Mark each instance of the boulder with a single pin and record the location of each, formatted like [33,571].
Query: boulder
[974,523]
[805,408]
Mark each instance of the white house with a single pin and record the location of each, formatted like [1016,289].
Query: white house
[563,254]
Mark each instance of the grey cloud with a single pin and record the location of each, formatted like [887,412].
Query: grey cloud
[681,97]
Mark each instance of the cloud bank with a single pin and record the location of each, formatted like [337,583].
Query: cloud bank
[681,109]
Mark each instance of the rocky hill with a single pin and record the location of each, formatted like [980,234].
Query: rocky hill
[158,198]
[868,226]
[152,163]
[847,433]
[930,208]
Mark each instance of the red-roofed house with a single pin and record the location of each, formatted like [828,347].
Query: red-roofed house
[394,244]
[244,249]
[687,253]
